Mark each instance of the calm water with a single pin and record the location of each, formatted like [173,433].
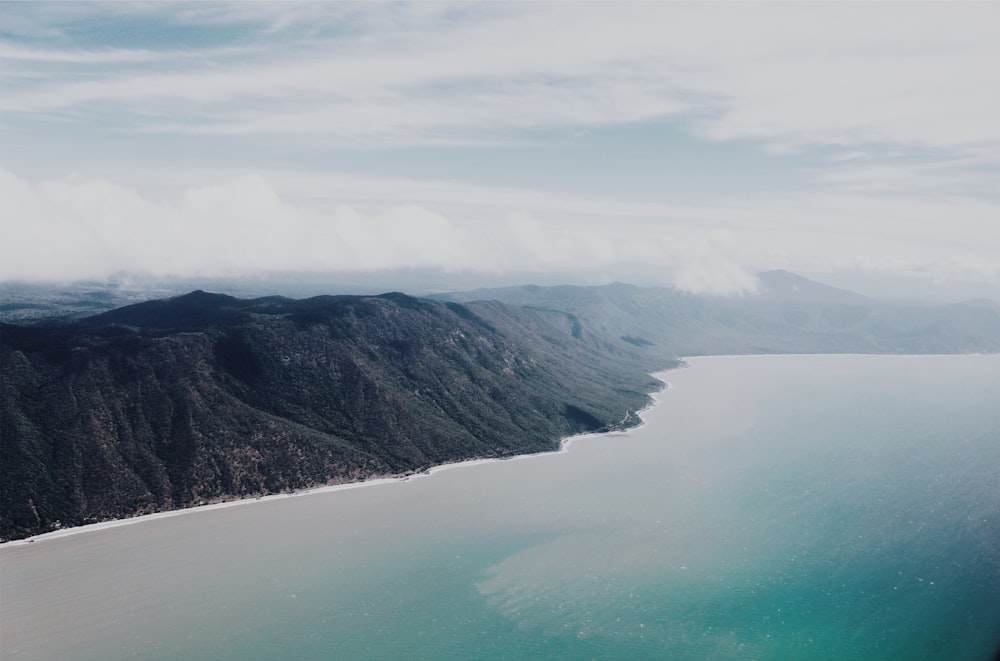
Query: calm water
[801,507]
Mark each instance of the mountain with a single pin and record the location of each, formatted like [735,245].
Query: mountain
[791,314]
[202,397]
[784,286]
[173,402]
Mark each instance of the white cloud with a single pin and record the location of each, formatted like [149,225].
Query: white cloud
[80,228]
[710,264]
[13,52]
[84,227]
[715,277]
[790,74]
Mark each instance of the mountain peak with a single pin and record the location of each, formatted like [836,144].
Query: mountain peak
[783,285]
[195,308]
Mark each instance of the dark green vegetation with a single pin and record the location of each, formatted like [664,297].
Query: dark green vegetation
[203,397]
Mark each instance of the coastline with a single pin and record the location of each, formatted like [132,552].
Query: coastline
[564,446]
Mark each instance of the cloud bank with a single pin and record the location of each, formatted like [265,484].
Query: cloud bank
[238,137]
[80,227]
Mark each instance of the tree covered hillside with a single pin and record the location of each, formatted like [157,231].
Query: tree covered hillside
[171,403]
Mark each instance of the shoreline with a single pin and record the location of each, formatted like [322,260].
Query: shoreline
[564,446]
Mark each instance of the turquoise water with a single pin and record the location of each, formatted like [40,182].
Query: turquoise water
[799,507]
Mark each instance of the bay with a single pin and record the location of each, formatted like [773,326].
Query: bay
[772,507]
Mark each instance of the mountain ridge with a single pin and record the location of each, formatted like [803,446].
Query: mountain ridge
[791,315]
[204,396]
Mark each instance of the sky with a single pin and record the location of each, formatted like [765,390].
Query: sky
[696,144]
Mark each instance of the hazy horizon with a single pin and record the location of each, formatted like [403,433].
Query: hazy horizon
[429,281]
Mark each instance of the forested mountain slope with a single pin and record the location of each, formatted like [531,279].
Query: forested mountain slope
[170,403]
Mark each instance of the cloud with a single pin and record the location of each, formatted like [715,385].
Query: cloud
[85,227]
[234,113]
[704,268]
[91,228]
[790,75]
[117,56]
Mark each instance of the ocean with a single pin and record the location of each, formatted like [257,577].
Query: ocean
[771,507]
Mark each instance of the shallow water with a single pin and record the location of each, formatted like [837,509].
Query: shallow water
[796,507]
